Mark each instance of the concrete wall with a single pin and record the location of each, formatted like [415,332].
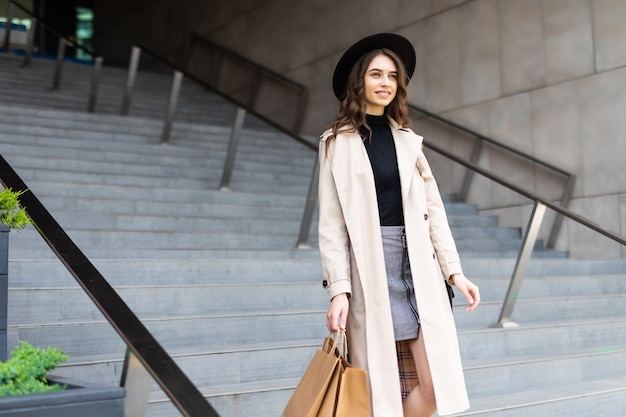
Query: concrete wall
[547,77]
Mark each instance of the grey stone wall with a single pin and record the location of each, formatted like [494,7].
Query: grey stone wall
[547,77]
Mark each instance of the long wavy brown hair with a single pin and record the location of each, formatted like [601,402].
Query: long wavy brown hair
[352,108]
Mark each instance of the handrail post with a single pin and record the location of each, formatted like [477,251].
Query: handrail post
[7,29]
[309,207]
[138,383]
[30,42]
[229,162]
[135,54]
[56,81]
[528,243]
[170,111]
[469,174]
[93,88]
[558,220]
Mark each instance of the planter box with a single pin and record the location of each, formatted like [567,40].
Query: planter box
[80,399]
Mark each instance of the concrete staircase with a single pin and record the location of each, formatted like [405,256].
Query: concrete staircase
[213,274]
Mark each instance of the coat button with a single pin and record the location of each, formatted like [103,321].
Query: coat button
[325,283]
[434,256]
[425,216]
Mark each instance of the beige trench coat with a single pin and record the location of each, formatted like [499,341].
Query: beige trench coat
[353,262]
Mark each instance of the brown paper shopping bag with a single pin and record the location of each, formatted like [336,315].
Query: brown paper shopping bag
[331,387]
[353,397]
[317,390]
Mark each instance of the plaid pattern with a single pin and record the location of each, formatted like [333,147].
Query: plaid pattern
[406,365]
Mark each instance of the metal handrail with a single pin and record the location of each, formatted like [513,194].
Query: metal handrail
[259,72]
[528,194]
[298,138]
[530,234]
[570,178]
[491,141]
[197,37]
[183,393]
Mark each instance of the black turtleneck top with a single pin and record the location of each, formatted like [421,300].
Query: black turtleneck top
[382,154]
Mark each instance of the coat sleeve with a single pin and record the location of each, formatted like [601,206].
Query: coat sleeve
[334,242]
[440,233]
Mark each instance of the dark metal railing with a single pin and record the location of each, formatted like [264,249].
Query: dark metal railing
[177,68]
[529,238]
[240,78]
[140,342]
[568,186]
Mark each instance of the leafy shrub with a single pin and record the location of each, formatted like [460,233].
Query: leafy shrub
[26,371]
[11,214]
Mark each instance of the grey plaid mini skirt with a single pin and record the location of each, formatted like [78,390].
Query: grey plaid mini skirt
[404,313]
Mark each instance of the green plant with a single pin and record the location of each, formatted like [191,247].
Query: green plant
[11,214]
[26,371]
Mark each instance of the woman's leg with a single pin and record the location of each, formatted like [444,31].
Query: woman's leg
[421,401]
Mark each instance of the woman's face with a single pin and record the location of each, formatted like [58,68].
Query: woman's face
[381,84]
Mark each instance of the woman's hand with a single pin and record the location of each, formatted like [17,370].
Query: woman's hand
[469,290]
[337,313]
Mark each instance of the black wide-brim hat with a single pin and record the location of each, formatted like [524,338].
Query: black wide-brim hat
[395,43]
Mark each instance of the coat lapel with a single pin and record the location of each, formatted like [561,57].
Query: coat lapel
[408,146]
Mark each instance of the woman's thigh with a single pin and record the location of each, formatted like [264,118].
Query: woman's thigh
[418,350]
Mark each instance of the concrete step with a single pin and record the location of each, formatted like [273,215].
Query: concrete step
[248,157]
[44,253]
[241,182]
[288,268]
[559,368]
[99,128]
[115,205]
[218,331]
[212,367]
[259,399]
[71,170]
[244,253]
[135,150]
[303,266]
[39,305]
[159,195]
[597,398]
[32,86]
[197,240]
[604,397]
[206,238]
[540,310]
[543,337]
[216,218]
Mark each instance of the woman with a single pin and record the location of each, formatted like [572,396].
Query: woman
[385,242]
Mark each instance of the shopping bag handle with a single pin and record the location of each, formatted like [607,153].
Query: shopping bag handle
[339,343]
